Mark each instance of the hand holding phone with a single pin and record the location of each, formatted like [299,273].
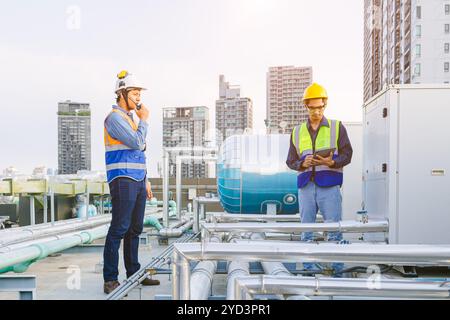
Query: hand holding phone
[142,112]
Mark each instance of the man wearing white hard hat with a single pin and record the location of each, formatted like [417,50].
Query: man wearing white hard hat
[127,177]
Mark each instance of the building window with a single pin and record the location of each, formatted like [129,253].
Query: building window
[417,70]
[446,66]
[418,50]
[447,9]
[419,12]
[447,28]
[418,31]
[447,47]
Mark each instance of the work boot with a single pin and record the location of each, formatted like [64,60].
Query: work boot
[110,286]
[150,282]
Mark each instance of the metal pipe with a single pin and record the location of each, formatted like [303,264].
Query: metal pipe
[39,251]
[42,226]
[8,237]
[283,236]
[52,207]
[176,232]
[185,277]
[337,287]
[192,149]
[32,211]
[223,218]
[179,161]
[236,269]
[202,277]
[343,226]
[167,255]
[153,222]
[176,276]
[196,226]
[409,255]
[199,208]
[178,186]
[275,269]
[87,205]
[45,208]
[25,244]
[165,188]
[271,268]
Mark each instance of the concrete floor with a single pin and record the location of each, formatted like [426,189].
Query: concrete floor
[76,274]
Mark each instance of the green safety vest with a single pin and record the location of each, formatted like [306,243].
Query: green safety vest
[327,138]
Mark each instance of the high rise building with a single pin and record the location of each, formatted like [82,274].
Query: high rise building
[405,42]
[234,114]
[285,88]
[74,137]
[186,128]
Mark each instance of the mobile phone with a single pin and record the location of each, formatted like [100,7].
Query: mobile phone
[138,106]
[324,153]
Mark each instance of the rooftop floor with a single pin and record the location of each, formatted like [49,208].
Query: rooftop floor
[56,276]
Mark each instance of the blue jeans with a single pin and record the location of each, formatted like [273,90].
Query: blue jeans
[128,198]
[329,201]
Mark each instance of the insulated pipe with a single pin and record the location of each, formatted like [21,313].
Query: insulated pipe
[338,287]
[176,232]
[8,237]
[39,251]
[25,244]
[224,218]
[271,268]
[185,277]
[153,222]
[409,255]
[6,233]
[202,277]
[275,269]
[176,275]
[343,226]
[236,269]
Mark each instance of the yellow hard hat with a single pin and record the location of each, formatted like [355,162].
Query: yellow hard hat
[315,91]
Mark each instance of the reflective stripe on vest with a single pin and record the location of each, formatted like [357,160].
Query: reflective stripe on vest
[327,137]
[121,160]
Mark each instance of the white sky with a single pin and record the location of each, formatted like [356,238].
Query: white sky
[177,47]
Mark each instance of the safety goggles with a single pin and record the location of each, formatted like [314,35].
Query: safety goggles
[313,109]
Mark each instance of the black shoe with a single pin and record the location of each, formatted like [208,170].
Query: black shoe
[110,286]
[150,282]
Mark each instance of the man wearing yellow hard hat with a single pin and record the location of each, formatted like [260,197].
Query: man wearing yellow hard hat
[320,149]
[126,170]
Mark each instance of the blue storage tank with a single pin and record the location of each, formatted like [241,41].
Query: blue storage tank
[252,173]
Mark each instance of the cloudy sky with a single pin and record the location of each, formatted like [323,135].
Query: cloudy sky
[51,51]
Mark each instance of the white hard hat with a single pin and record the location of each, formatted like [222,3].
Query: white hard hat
[126,80]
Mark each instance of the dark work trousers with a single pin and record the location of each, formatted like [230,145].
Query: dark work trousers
[128,207]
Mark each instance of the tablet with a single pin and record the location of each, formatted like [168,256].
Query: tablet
[325,153]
